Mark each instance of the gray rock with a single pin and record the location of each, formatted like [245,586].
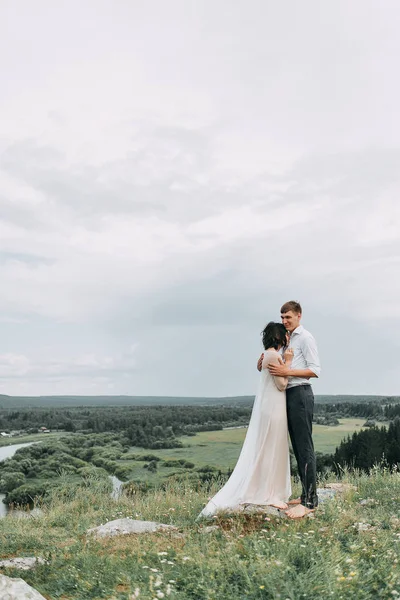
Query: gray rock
[251,509]
[367,502]
[340,487]
[209,529]
[325,494]
[365,527]
[24,563]
[17,589]
[128,526]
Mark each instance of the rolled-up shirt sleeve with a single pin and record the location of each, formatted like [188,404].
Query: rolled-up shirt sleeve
[310,353]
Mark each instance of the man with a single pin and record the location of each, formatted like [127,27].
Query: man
[300,404]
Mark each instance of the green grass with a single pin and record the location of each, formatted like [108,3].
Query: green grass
[35,437]
[249,558]
[221,449]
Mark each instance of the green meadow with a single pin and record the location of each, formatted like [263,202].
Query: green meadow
[220,449]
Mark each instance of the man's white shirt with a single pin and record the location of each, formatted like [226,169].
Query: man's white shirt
[305,355]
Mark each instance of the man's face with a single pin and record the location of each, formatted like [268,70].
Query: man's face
[291,320]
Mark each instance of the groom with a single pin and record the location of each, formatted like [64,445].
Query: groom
[300,404]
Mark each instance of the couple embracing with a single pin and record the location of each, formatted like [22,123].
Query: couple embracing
[284,403]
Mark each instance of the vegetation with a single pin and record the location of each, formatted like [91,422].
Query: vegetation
[147,427]
[92,401]
[349,550]
[373,445]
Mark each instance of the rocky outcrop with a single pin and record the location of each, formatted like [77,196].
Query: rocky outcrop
[127,527]
[24,563]
[17,589]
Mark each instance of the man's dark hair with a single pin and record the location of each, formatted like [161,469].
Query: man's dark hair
[293,306]
[274,336]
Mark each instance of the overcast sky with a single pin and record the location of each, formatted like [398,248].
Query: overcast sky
[171,172]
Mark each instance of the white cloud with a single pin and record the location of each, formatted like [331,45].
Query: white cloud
[171,175]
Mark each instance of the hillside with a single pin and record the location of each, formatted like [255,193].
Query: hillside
[349,550]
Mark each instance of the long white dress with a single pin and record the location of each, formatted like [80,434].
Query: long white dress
[262,472]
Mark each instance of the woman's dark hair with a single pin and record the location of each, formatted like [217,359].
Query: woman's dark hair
[274,336]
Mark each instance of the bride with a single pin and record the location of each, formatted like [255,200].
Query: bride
[262,472]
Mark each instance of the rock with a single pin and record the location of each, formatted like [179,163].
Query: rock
[365,527]
[128,526]
[367,502]
[17,589]
[252,509]
[209,529]
[325,494]
[340,487]
[24,563]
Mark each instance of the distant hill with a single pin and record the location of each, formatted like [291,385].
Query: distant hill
[58,401]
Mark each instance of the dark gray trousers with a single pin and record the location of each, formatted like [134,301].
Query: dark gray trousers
[300,410]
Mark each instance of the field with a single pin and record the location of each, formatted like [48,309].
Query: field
[220,449]
[348,551]
[24,439]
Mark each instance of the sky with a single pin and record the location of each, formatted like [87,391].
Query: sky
[172,172]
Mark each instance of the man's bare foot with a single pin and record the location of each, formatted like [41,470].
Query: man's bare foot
[280,505]
[298,512]
[294,501]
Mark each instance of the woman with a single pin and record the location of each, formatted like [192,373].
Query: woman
[262,473]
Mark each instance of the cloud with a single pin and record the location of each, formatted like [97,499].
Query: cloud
[50,368]
[168,189]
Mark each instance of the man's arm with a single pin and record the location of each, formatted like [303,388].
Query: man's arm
[310,353]
[284,371]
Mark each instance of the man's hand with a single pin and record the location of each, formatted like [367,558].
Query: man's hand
[260,362]
[280,370]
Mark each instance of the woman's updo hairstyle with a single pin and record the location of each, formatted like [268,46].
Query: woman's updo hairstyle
[274,336]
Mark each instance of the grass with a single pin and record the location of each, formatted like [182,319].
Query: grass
[246,557]
[221,449]
[35,437]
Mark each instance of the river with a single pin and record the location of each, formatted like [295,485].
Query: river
[9,451]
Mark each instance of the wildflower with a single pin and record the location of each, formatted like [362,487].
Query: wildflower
[172,581]
[349,560]
[160,594]
[169,562]
[186,558]
[154,570]
[352,574]
[145,567]
[162,553]
[262,587]
[341,578]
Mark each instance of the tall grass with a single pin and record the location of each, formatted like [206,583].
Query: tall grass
[246,557]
